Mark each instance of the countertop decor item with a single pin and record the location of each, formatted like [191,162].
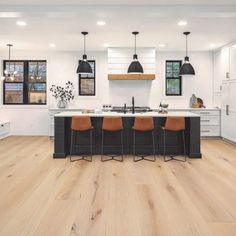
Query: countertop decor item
[84,67]
[63,94]
[163,108]
[187,68]
[193,100]
[135,66]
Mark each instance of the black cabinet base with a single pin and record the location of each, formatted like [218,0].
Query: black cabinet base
[174,144]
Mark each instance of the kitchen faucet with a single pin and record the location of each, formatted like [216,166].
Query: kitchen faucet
[133,110]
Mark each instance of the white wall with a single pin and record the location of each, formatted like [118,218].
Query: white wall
[33,120]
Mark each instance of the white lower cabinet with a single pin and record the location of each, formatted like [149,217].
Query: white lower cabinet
[210,122]
[4,129]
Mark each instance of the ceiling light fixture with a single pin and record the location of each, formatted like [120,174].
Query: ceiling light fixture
[84,67]
[101,23]
[182,23]
[135,66]
[52,45]
[106,45]
[21,23]
[186,68]
[162,45]
[212,45]
[7,72]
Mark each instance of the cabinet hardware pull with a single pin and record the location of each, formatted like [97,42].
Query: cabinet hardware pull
[206,131]
[227,110]
[205,120]
[204,112]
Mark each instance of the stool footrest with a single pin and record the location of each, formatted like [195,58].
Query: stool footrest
[82,157]
[112,157]
[175,159]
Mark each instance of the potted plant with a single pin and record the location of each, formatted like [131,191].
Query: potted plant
[63,94]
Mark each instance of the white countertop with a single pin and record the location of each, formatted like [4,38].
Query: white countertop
[153,114]
[169,109]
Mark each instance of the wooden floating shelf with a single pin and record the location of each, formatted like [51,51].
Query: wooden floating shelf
[131,76]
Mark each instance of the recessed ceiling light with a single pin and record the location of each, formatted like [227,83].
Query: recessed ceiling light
[52,45]
[106,45]
[234,46]
[21,23]
[101,23]
[182,23]
[212,45]
[161,45]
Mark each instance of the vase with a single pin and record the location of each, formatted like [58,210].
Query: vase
[61,104]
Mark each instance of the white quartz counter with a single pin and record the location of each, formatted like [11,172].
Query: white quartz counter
[153,114]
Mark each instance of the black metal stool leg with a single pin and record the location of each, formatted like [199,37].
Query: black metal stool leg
[172,157]
[91,144]
[71,144]
[122,145]
[154,149]
[185,155]
[164,137]
[102,145]
[143,157]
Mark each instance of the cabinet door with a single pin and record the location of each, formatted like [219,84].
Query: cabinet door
[224,116]
[233,63]
[221,67]
[228,118]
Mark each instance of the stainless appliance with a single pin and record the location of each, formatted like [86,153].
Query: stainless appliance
[130,109]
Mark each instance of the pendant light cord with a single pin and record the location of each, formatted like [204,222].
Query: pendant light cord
[186,45]
[9,54]
[84,44]
[135,44]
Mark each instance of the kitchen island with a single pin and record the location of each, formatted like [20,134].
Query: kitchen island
[174,144]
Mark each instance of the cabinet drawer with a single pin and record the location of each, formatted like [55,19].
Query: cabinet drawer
[210,130]
[210,120]
[207,112]
[4,128]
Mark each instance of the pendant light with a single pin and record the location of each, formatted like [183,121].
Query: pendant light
[186,68]
[135,66]
[84,67]
[7,73]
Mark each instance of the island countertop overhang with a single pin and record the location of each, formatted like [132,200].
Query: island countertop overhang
[104,114]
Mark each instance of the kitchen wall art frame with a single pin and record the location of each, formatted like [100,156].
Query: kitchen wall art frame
[173,81]
[87,82]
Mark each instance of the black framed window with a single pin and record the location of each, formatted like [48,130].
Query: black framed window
[87,82]
[28,86]
[173,79]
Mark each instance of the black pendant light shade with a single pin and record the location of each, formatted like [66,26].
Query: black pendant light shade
[135,66]
[84,67]
[186,68]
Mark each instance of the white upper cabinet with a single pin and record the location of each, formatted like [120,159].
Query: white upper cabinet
[233,63]
[221,67]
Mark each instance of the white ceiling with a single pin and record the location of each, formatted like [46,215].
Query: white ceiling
[61,21]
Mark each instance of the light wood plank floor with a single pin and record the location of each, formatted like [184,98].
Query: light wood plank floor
[43,196]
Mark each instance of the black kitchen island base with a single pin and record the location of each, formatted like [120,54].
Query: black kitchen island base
[174,141]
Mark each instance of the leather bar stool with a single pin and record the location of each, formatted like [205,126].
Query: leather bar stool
[143,124]
[112,125]
[174,124]
[81,124]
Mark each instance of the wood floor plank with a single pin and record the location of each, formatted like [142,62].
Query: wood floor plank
[45,196]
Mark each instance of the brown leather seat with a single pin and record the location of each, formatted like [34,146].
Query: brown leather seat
[143,124]
[112,123]
[174,124]
[81,123]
